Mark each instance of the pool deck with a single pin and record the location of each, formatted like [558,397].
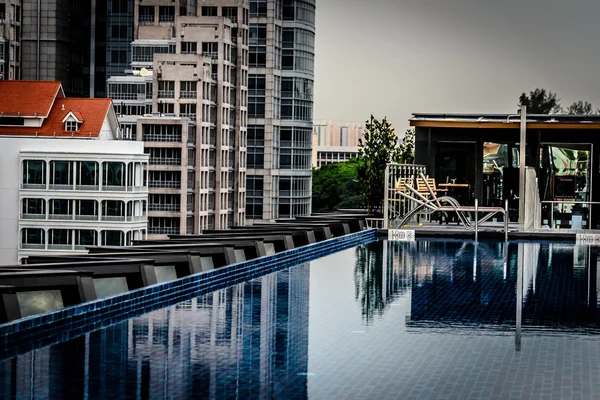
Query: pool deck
[493,230]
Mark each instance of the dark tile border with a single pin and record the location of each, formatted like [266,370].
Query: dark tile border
[486,234]
[67,323]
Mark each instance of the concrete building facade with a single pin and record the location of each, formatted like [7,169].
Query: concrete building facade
[187,100]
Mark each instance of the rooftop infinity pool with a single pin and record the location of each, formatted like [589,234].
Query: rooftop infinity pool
[431,319]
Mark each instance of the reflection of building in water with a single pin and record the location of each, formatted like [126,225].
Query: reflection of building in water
[246,341]
[381,275]
[451,285]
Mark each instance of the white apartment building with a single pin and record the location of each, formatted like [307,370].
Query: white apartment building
[67,182]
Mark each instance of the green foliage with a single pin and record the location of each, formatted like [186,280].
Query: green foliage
[581,108]
[540,101]
[335,186]
[408,147]
[377,148]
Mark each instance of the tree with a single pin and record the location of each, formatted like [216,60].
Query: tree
[541,101]
[581,108]
[335,186]
[376,149]
[408,147]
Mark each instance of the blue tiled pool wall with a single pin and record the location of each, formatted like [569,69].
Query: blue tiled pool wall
[246,341]
[57,326]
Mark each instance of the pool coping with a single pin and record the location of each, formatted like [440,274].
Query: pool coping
[483,234]
[40,330]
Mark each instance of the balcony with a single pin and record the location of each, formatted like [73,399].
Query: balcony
[33,186]
[162,138]
[33,216]
[164,207]
[86,218]
[146,18]
[36,246]
[188,95]
[60,217]
[164,161]
[191,116]
[60,187]
[153,230]
[87,187]
[60,247]
[113,188]
[165,184]
[166,94]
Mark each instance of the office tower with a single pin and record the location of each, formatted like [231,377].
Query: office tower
[10,43]
[67,182]
[280,107]
[77,42]
[186,99]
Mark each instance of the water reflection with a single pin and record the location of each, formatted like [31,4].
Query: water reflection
[462,283]
[380,277]
[247,341]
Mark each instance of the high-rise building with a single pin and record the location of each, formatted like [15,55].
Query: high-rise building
[280,108]
[79,43]
[186,100]
[10,39]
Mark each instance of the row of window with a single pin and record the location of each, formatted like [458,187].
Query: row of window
[65,174]
[71,239]
[35,208]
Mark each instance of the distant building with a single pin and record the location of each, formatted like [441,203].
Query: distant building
[338,134]
[10,39]
[335,142]
[67,183]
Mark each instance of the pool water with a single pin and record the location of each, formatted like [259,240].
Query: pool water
[438,319]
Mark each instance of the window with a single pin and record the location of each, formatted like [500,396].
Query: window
[33,238]
[61,174]
[113,238]
[188,90]
[254,197]
[113,174]
[146,14]
[231,13]
[166,14]
[34,208]
[86,173]
[34,172]
[71,126]
[256,151]
[258,8]
[166,89]
[256,96]
[189,47]
[209,11]
[210,49]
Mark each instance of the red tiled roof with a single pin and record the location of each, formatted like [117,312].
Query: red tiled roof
[92,111]
[28,98]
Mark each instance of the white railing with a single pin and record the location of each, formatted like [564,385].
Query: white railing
[395,205]
[60,247]
[33,216]
[377,223]
[36,246]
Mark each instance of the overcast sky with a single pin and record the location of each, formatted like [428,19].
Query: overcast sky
[397,57]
